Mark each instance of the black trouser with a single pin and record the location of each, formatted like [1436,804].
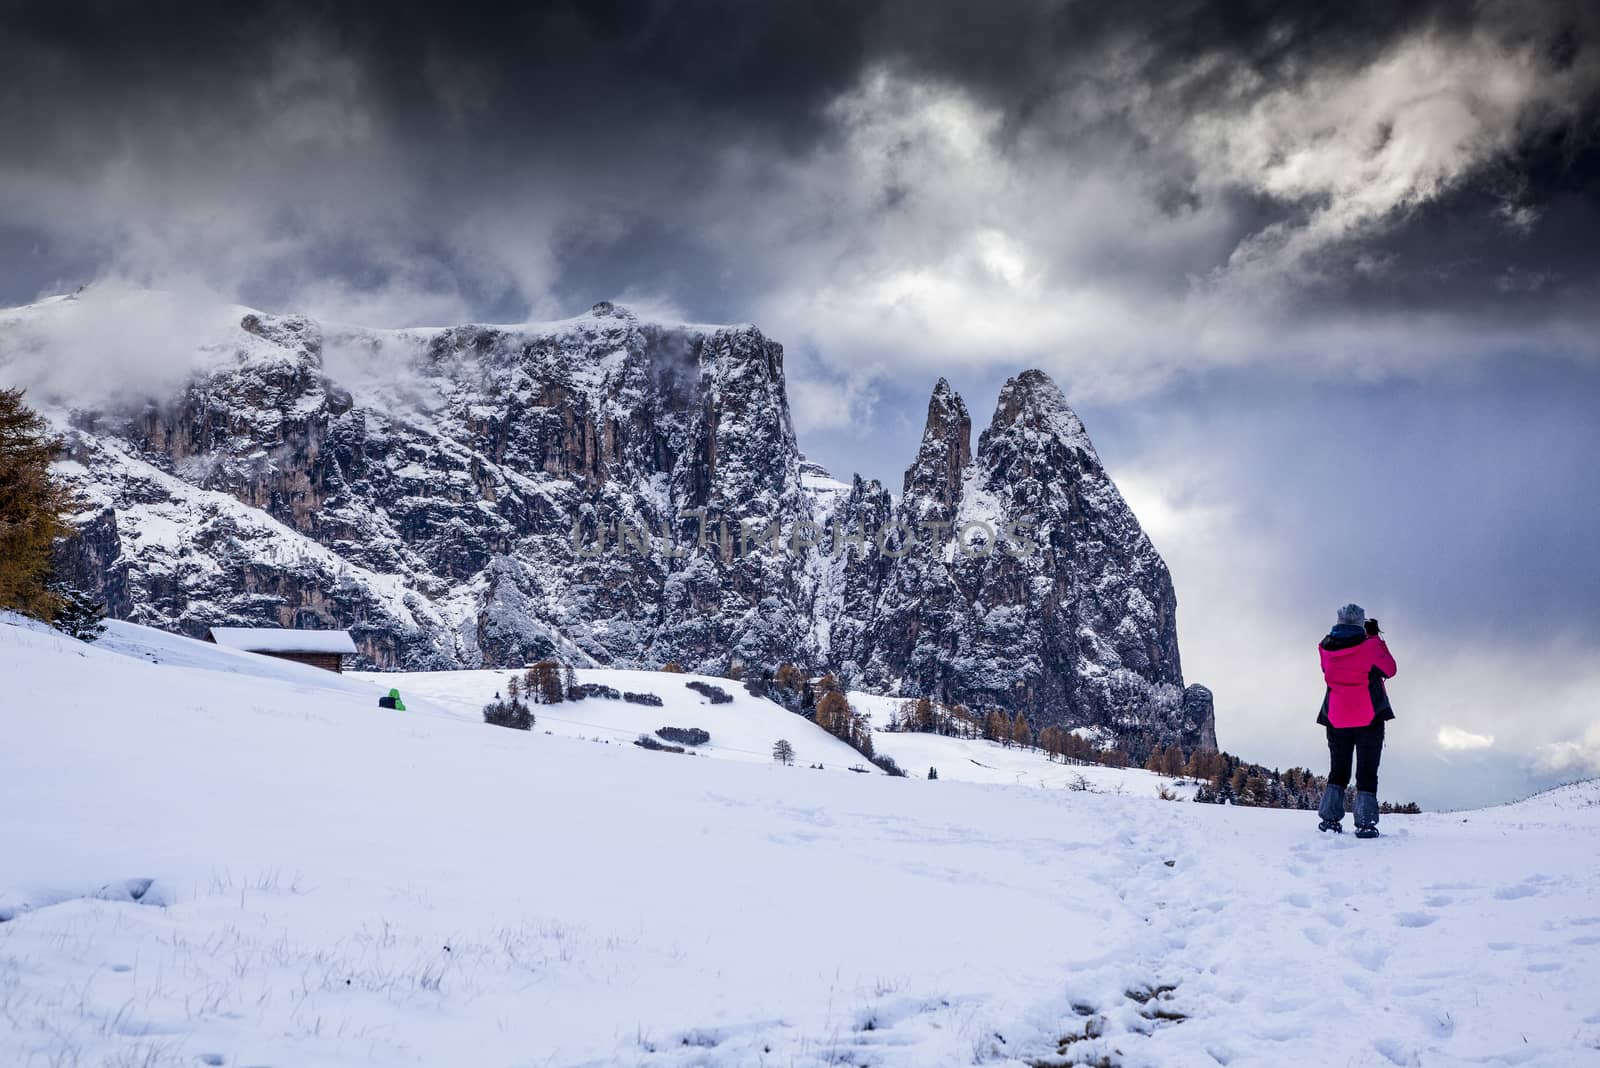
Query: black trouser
[1365,745]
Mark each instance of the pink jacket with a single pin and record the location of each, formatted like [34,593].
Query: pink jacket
[1347,672]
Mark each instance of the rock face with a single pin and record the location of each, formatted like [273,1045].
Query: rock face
[1048,598]
[615,491]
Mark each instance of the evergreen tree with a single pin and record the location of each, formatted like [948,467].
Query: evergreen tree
[33,508]
[513,714]
[76,613]
[933,773]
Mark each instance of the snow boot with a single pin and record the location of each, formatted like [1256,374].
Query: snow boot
[1332,809]
[1366,814]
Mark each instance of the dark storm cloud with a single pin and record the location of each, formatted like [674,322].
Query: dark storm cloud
[521,151]
[1264,247]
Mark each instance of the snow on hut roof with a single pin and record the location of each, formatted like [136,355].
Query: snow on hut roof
[279,640]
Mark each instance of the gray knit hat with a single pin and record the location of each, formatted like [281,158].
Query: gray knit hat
[1353,613]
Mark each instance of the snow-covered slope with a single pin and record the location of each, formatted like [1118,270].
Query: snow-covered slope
[975,760]
[205,866]
[745,728]
[963,760]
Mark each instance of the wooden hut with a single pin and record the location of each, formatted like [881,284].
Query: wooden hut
[325,649]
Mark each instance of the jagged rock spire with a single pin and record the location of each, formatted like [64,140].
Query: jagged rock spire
[1033,401]
[945,452]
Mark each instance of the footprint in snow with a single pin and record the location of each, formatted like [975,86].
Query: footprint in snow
[1439,1021]
[1415,919]
[1372,958]
[1395,1051]
[1412,990]
[1512,893]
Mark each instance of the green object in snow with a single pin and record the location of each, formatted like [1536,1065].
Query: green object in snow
[399,705]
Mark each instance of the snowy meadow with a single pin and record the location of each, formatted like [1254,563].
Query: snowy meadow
[211,858]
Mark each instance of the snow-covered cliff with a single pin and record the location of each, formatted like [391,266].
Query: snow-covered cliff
[615,491]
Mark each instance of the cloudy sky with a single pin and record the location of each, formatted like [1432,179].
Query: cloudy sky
[1323,284]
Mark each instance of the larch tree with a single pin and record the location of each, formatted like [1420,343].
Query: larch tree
[1172,763]
[33,508]
[1021,733]
[833,712]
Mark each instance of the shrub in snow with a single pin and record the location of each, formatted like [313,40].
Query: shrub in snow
[685,735]
[642,699]
[887,763]
[715,694]
[644,741]
[756,683]
[595,689]
[513,714]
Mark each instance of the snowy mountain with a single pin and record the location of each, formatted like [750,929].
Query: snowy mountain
[610,491]
[211,858]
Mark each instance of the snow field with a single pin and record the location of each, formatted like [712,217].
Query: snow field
[204,866]
[974,760]
[744,729]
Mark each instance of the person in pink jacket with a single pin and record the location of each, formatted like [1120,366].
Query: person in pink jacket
[1355,662]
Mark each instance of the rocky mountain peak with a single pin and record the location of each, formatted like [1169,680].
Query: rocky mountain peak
[605,309]
[488,495]
[946,450]
[1032,401]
